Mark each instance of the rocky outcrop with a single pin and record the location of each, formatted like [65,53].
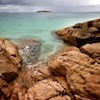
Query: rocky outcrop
[10,61]
[81,33]
[81,72]
[10,64]
[12,72]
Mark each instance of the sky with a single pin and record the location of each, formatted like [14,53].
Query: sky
[52,5]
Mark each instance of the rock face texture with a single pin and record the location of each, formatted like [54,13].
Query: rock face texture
[93,50]
[10,60]
[81,72]
[81,33]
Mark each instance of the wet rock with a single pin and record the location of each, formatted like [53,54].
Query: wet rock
[81,72]
[82,33]
[93,50]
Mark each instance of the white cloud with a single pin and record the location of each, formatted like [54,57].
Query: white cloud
[94,2]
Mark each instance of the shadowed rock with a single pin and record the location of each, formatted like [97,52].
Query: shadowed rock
[81,33]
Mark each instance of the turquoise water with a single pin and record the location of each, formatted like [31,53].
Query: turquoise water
[40,26]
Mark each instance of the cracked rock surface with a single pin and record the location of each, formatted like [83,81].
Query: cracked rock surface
[81,72]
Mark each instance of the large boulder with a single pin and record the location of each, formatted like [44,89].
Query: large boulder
[81,33]
[93,50]
[11,51]
[81,72]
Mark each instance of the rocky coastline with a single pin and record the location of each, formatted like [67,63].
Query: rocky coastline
[73,73]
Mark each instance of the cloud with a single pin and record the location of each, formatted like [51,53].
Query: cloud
[16,2]
[46,2]
[54,5]
[21,8]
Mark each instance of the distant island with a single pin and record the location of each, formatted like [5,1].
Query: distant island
[43,11]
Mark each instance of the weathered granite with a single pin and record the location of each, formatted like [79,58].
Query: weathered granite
[44,90]
[10,60]
[61,98]
[93,50]
[81,72]
[81,33]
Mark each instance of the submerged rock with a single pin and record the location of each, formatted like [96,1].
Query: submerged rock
[29,49]
[81,33]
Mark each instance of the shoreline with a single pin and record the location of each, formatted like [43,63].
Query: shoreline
[73,73]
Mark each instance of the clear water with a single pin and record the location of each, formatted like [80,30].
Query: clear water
[40,26]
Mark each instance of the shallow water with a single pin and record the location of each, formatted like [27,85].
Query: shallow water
[40,26]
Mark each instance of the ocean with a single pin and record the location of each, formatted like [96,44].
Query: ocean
[41,26]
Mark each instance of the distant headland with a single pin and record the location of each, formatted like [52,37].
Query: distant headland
[43,11]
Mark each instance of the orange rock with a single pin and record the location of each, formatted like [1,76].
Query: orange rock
[44,90]
[10,60]
[61,98]
[81,33]
[93,50]
[79,70]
